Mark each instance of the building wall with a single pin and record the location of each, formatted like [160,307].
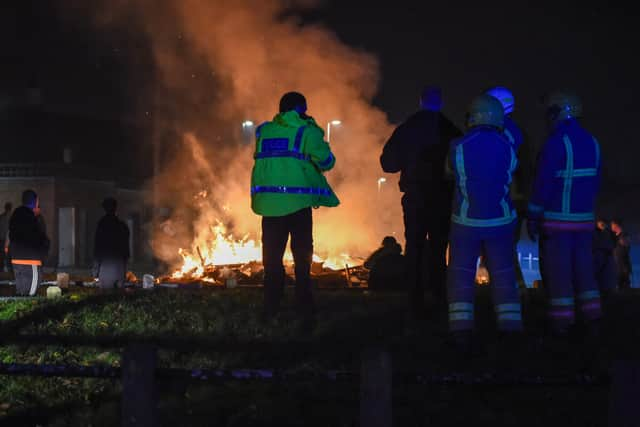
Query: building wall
[85,198]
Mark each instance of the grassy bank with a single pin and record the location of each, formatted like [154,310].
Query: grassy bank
[205,315]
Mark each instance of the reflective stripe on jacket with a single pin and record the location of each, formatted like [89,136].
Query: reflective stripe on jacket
[290,157]
[567,176]
[483,162]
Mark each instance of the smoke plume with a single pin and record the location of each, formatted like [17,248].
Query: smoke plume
[220,62]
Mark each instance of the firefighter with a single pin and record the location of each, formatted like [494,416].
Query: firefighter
[418,149]
[521,179]
[111,247]
[483,161]
[561,211]
[28,244]
[287,181]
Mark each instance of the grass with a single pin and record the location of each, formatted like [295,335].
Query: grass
[205,315]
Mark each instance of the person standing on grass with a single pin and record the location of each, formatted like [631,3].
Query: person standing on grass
[561,212]
[418,150]
[28,245]
[111,250]
[483,219]
[287,181]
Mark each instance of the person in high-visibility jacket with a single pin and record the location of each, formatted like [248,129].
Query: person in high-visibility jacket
[287,181]
[483,161]
[561,210]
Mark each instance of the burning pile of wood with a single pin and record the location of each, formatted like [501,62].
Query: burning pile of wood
[252,274]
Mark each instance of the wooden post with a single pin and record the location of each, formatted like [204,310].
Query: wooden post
[624,395]
[376,389]
[139,395]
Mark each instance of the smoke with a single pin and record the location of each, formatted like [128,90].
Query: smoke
[221,62]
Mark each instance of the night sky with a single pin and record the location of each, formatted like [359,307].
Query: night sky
[531,48]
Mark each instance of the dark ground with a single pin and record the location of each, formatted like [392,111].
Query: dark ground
[350,317]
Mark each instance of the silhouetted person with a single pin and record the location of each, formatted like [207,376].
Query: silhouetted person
[603,260]
[386,265]
[389,246]
[4,229]
[28,244]
[418,150]
[622,255]
[111,251]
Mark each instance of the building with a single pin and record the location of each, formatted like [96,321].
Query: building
[70,199]
[73,160]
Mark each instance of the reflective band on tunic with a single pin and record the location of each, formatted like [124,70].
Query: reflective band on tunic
[290,190]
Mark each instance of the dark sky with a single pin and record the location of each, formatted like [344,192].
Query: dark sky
[531,47]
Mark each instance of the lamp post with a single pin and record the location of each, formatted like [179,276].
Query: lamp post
[381,181]
[247,127]
[329,124]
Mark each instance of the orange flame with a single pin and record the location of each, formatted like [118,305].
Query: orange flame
[215,247]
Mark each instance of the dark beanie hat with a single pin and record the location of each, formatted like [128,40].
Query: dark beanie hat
[291,100]
[110,205]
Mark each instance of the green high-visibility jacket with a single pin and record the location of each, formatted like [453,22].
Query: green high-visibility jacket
[290,157]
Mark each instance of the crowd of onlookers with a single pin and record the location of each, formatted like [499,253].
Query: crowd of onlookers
[25,245]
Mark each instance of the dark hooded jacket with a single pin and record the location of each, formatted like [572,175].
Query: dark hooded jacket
[418,149]
[112,239]
[28,240]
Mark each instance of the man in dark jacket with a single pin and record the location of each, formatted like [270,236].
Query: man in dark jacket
[418,150]
[622,255]
[603,261]
[28,245]
[111,247]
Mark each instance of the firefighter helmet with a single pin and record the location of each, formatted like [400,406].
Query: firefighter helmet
[503,95]
[485,110]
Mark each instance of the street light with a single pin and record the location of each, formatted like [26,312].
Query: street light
[329,124]
[247,131]
[381,181]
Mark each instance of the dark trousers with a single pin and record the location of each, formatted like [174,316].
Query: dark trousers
[568,275]
[516,261]
[426,230]
[497,244]
[275,233]
[28,278]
